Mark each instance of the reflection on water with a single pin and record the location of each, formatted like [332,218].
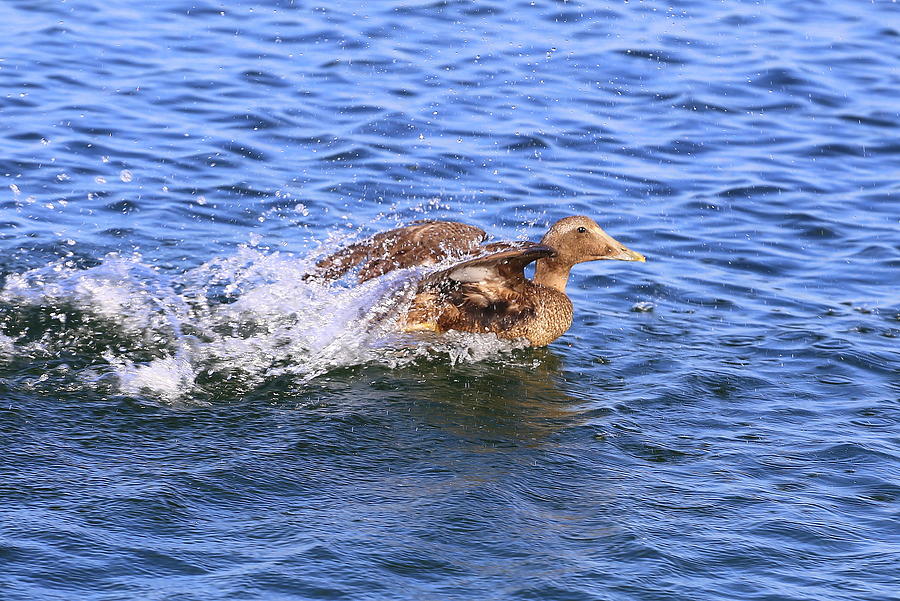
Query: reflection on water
[512,400]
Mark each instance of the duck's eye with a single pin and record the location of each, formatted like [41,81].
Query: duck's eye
[582,230]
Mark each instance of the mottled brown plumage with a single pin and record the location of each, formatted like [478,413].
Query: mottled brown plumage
[420,244]
[488,294]
[491,295]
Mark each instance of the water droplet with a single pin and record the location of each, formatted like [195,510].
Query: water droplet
[100,179]
[15,189]
[125,175]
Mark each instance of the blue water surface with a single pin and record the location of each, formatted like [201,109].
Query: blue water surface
[183,418]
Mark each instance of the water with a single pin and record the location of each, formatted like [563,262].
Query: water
[183,418]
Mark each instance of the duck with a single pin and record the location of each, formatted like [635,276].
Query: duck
[486,290]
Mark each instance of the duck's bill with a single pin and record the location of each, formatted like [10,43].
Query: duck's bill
[630,255]
[627,255]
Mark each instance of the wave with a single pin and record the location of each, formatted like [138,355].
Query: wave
[227,326]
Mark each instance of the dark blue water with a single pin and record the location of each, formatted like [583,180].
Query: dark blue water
[182,418]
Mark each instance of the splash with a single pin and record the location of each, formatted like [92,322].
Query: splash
[228,326]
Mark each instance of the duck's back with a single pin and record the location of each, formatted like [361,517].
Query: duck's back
[419,244]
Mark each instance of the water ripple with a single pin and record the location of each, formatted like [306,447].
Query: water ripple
[179,420]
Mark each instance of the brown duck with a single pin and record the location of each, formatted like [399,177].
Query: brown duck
[488,294]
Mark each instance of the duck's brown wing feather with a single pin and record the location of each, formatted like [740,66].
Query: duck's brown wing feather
[505,268]
[495,247]
[488,294]
[421,243]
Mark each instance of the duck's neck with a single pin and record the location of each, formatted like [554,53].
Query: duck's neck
[552,274]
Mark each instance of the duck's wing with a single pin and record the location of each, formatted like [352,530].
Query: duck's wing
[422,243]
[505,268]
[495,247]
[488,294]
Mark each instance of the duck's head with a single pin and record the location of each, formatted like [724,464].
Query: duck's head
[578,239]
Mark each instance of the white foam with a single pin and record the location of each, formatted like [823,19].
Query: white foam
[121,290]
[167,378]
[7,347]
[238,321]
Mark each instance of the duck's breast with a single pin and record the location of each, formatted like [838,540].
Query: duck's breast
[552,319]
